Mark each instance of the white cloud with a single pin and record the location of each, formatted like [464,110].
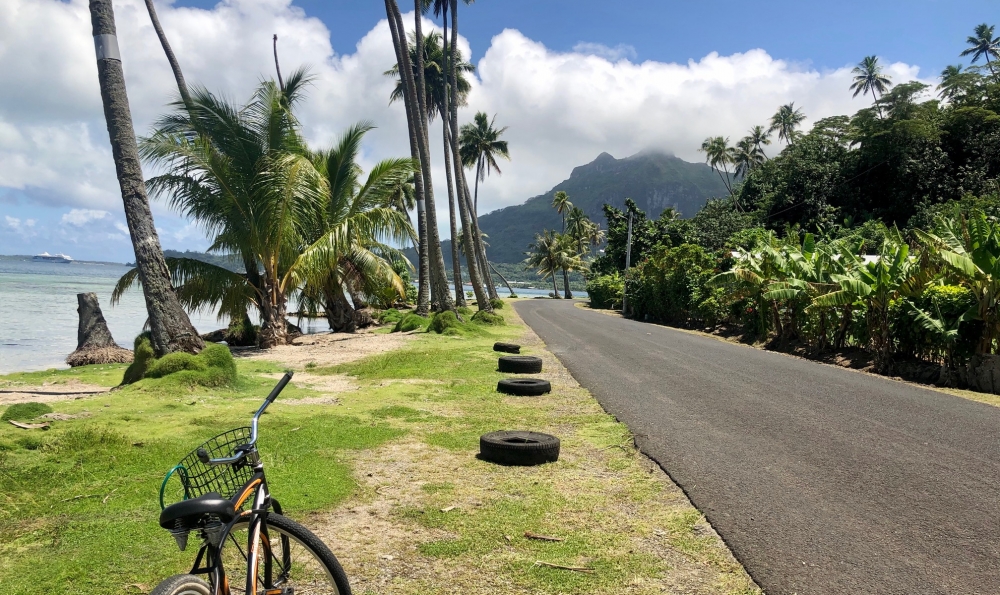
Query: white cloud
[81,217]
[622,51]
[562,108]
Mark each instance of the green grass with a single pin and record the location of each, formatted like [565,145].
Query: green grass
[79,502]
[78,507]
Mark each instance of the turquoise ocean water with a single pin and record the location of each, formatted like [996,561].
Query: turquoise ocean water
[38,318]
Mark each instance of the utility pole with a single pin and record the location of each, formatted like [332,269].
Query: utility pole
[628,262]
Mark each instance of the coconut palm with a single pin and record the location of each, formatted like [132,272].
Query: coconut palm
[562,205]
[438,98]
[170,327]
[242,173]
[718,155]
[745,157]
[760,137]
[578,226]
[868,78]
[480,146]
[786,121]
[548,255]
[348,240]
[982,44]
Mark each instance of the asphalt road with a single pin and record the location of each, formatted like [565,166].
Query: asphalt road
[821,480]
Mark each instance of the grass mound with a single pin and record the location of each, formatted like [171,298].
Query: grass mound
[25,411]
[410,322]
[465,311]
[390,316]
[213,366]
[497,303]
[488,318]
[443,321]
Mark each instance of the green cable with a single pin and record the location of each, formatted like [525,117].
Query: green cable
[163,486]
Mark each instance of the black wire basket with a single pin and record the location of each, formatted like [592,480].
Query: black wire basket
[200,479]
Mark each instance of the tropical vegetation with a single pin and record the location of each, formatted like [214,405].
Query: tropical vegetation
[873,234]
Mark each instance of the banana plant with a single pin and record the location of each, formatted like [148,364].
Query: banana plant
[894,273]
[969,248]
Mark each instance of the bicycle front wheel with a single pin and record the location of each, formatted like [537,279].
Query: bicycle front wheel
[290,557]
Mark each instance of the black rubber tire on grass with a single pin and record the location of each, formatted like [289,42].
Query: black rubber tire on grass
[507,347]
[515,447]
[520,364]
[182,584]
[524,387]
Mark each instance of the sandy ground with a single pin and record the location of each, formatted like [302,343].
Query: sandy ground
[321,350]
[11,393]
[330,349]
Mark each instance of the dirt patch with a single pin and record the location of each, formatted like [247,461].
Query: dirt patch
[329,349]
[49,393]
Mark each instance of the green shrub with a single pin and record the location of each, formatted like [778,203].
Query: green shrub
[497,304]
[488,318]
[672,286]
[605,291]
[25,411]
[389,316]
[443,321]
[213,366]
[465,311]
[143,355]
[410,322]
[242,332]
[173,363]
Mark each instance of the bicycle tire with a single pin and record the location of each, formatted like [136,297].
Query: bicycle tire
[314,567]
[182,584]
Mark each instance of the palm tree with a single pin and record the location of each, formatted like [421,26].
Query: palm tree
[595,235]
[745,157]
[785,121]
[562,205]
[345,244]
[760,137]
[868,78]
[718,155]
[479,146]
[578,225]
[170,326]
[982,44]
[171,59]
[438,97]
[243,173]
[547,256]
[414,128]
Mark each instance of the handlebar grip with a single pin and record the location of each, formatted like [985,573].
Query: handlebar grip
[279,387]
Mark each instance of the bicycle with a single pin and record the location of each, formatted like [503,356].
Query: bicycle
[228,505]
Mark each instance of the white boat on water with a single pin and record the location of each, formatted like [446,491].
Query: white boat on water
[46,257]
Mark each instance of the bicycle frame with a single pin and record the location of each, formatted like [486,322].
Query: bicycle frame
[256,516]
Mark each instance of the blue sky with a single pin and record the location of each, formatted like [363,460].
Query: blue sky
[570,78]
[824,34]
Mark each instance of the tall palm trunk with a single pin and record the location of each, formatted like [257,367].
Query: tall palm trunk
[406,75]
[555,288]
[339,312]
[174,65]
[566,291]
[169,323]
[476,244]
[440,292]
[456,262]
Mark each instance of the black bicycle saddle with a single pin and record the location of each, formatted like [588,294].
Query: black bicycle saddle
[190,511]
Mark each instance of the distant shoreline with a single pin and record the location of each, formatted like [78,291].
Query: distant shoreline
[31,257]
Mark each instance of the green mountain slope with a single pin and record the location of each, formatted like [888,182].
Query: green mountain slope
[653,180]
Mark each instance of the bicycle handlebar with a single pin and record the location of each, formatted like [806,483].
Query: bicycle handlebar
[253,426]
